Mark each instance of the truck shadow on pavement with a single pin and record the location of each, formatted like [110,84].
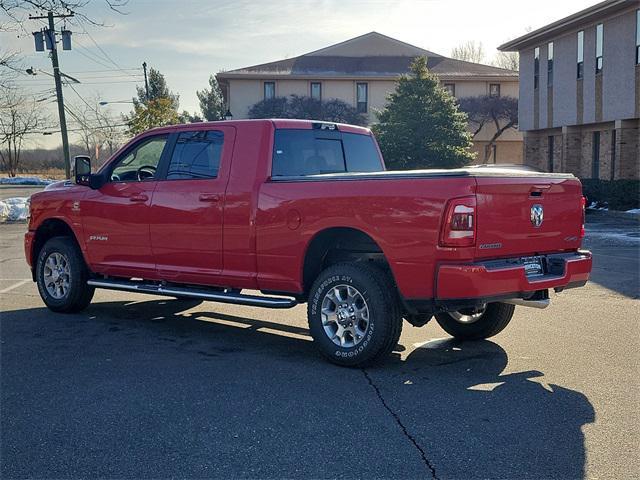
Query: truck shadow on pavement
[149,389]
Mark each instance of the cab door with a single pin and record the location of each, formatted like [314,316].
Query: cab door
[186,215]
[115,217]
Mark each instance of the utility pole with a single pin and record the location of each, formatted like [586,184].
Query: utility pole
[146,93]
[146,83]
[56,74]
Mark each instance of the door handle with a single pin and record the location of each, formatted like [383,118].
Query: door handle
[209,197]
[138,198]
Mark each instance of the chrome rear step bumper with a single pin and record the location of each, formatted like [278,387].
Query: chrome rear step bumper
[199,293]
[542,303]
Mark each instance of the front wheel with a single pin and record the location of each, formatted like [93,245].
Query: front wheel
[353,314]
[62,276]
[476,323]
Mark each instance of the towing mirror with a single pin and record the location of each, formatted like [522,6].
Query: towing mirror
[82,170]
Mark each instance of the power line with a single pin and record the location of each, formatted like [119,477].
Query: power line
[90,55]
[106,55]
[81,97]
[42,84]
[108,77]
[50,132]
[106,71]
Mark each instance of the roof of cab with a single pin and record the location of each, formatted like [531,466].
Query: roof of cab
[282,123]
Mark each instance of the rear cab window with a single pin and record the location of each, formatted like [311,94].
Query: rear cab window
[316,152]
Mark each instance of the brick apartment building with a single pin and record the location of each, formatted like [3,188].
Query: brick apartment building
[579,102]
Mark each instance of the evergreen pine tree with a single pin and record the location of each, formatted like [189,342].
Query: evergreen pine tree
[421,126]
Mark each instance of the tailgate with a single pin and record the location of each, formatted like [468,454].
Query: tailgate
[520,216]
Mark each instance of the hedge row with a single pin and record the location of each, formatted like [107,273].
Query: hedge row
[616,194]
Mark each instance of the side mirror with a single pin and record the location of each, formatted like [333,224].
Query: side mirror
[82,173]
[82,170]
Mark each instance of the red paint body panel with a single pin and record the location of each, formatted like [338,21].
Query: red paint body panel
[186,223]
[504,215]
[403,221]
[116,230]
[478,281]
[256,234]
[29,238]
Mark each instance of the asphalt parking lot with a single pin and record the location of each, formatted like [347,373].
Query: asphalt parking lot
[139,387]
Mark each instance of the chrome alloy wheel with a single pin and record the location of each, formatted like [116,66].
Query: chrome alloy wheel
[469,315]
[57,275]
[345,315]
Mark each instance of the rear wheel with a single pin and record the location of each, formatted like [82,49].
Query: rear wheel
[476,323]
[62,275]
[353,314]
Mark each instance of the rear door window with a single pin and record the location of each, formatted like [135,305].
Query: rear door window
[309,152]
[196,155]
[361,153]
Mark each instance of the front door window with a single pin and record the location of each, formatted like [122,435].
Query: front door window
[141,163]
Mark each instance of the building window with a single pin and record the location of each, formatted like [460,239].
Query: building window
[550,145]
[316,90]
[599,34]
[495,153]
[450,88]
[536,67]
[613,153]
[494,89]
[269,90]
[595,164]
[550,64]
[580,67]
[637,37]
[362,97]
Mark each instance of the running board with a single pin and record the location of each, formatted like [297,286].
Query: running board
[200,293]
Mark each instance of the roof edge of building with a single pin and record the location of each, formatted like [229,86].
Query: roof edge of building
[286,76]
[588,14]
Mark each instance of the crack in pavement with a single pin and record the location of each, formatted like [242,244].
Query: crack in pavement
[405,432]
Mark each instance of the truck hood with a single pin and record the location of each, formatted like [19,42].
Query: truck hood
[59,185]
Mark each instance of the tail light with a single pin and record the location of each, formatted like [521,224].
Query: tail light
[459,225]
[583,203]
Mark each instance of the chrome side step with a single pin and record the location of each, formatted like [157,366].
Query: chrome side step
[200,293]
[542,303]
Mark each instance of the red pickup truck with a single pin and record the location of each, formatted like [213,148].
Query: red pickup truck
[304,211]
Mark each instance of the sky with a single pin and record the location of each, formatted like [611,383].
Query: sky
[188,40]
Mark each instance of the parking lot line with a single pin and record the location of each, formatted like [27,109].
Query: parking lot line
[15,285]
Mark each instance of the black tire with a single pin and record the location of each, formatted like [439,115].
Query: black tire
[494,319]
[78,295]
[384,319]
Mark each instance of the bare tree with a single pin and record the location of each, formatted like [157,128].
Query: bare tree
[113,133]
[98,129]
[17,11]
[84,117]
[19,116]
[470,51]
[10,67]
[508,60]
[501,112]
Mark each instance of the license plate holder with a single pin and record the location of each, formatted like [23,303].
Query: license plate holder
[533,266]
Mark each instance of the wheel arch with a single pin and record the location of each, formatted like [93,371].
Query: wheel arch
[51,227]
[339,244]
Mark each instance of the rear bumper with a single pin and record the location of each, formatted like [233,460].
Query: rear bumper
[507,278]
